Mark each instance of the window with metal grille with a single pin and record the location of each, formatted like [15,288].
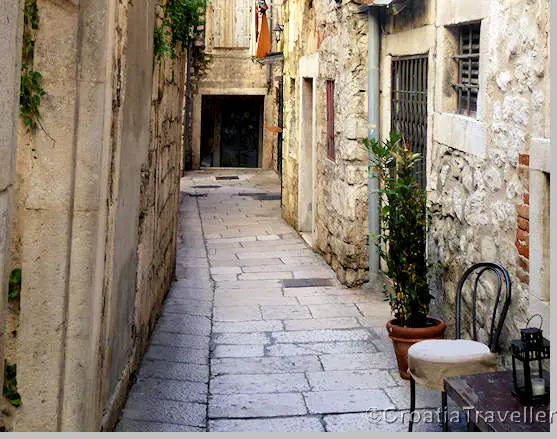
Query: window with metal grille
[468,60]
[409,106]
[331,120]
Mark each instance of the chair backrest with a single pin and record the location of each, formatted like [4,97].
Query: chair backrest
[496,324]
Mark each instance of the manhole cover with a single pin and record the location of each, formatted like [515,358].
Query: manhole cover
[206,187]
[309,282]
[197,195]
[228,177]
[269,197]
[251,194]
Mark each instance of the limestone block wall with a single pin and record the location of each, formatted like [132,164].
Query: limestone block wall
[95,212]
[480,168]
[10,46]
[160,176]
[337,35]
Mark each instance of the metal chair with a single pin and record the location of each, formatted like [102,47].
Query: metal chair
[430,361]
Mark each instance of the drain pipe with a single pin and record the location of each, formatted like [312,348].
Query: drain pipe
[374,35]
[188,156]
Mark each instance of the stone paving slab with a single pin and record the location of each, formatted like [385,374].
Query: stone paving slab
[172,412]
[187,307]
[249,338]
[335,347]
[238,351]
[150,427]
[336,310]
[355,361]
[236,313]
[256,405]
[163,388]
[249,326]
[180,340]
[347,380]
[259,383]
[319,323]
[320,335]
[241,300]
[391,421]
[181,324]
[280,312]
[271,425]
[174,371]
[346,401]
[299,363]
[177,354]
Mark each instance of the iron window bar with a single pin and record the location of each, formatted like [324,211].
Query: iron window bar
[409,106]
[468,60]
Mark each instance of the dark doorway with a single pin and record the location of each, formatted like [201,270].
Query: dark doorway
[231,129]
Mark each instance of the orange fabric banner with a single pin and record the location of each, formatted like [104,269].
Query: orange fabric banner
[264,40]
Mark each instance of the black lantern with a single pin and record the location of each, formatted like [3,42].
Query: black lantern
[529,384]
[278,32]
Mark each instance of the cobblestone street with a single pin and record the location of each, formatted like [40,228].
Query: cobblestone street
[244,344]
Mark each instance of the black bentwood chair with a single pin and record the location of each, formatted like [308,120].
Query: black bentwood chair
[430,361]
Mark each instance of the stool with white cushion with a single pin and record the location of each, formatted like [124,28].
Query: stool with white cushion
[430,361]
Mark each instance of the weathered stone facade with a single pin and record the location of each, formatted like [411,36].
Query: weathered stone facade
[230,72]
[10,47]
[327,41]
[95,218]
[479,167]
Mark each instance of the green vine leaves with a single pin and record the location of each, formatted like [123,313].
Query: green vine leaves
[181,23]
[31,90]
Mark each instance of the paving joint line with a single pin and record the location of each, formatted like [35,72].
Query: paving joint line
[211,312]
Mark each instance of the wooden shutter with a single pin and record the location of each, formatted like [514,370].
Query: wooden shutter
[331,120]
[231,23]
[241,23]
[218,22]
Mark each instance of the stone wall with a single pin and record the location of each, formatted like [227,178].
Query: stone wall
[11,30]
[479,167]
[337,35]
[96,212]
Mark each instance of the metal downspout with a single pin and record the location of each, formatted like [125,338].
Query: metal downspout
[188,156]
[374,35]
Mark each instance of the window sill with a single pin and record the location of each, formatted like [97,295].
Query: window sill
[460,132]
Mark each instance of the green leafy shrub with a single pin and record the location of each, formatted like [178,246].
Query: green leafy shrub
[402,239]
[10,384]
[180,25]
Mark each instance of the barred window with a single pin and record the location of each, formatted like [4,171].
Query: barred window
[468,60]
[331,120]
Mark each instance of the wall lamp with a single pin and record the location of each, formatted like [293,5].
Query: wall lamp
[279,28]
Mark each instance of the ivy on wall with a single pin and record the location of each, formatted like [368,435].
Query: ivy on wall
[10,384]
[14,284]
[180,24]
[31,90]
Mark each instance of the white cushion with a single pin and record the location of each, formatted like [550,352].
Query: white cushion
[447,351]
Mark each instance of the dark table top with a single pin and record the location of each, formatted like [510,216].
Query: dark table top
[486,398]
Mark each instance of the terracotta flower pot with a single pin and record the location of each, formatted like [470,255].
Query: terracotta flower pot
[404,337]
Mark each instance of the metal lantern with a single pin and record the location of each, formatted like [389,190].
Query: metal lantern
[278,32]
[529,384]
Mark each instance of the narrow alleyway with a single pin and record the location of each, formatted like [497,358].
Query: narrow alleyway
[246,343]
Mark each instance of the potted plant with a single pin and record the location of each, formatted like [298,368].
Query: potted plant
[402,244]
